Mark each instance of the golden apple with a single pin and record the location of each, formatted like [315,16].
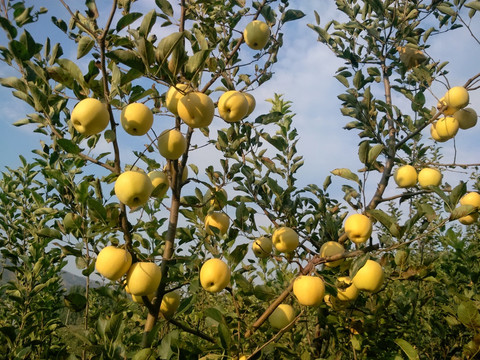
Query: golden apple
[170,303]
[113,262]
[358,228]
[133,188]
[309,290]
[232,106]
[369,277]
[219,220]
[285,239]
[174,94]
[216,202]
[471,198]
[331,248]
[143,278]
[136,119]
[467,118]
[90,116]
[166,169]
[172,144]
[434,134]
[160,183]
[256,34]
[283,315]
[447,127]
[251,103]
[348,293]
[429,177]
[214,275]
[405,176]
[457,97]
[196,109]
[262,247]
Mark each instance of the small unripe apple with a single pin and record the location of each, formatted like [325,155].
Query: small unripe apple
[196,109]
[256,34]
[219,220]
[467,118]
[369,277]
[283,315]
[232,106]
[309,290]
[113,262]
[172,144]
[358,228]
[285,239]
[136,119]
[429,177]
[214,275]
[262,247]
[405,176]
[90,116]
[133,188]
[143,278]
[331,248]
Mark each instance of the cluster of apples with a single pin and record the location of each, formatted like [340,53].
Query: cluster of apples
[406,176]
[141,278]
[457,115]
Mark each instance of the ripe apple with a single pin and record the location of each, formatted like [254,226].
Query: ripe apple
[160,183]
[331,248]
[172,144]
[467,118]
[251,103]
[113,262]
[309,290]
[348,293]
[174,94]
[447,127]
[262,247]
[434,134]
[256,34]
[232,106]
[370,277]
[429,177]
[214,275]
[283,315]
[457,97]
[471,198]
[358,228]
[136,119]
[90,116]
[133,188]
[405,176]
[196,109]
[170,303]
[285,239]
[143,278]
[166,169]
[219,220]
[216,202]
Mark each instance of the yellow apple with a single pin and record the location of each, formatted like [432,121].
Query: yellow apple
[172,144]
[429,177]
[133,188]
[166,169]
[214,275]
[174,94]
[113,262]
[405,176]
[309,290]
[143,278]
[251,103]
[448,110]
[447,127]
[216,202]
[136,119]
[457,97]
[369,277]
[138,299]
[232,106]
[262,247]
[90,116]
[256,34]
[285,239]
[160,183]
[331,248]
[196,109]
[434,134]
[283,315]
[467,118]
[219,220]
[170,303]
[471,198]
[348,293]
[358,228]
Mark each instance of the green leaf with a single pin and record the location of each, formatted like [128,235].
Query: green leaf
[374,152]
[69,146]
[8,27]
[457,192]
[196,62]
[225,336]
[85,44]
[145,354]
[113,326]
[291,15]
[147,23]
[363,150]
[461,211]
[269,118]
[263,292]
[127,57]
[49,233]
[343,80]
[346,174]
[408,349]
[215,314]
[167,45]
[445,9]
[127,20]
[357,264]
[238,254]
[15,83]
[468,314]
[72,69]
[165,6]
[473,5]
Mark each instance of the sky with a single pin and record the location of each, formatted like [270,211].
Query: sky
[304,75]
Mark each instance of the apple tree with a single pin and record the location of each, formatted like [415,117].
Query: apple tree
[192,173]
